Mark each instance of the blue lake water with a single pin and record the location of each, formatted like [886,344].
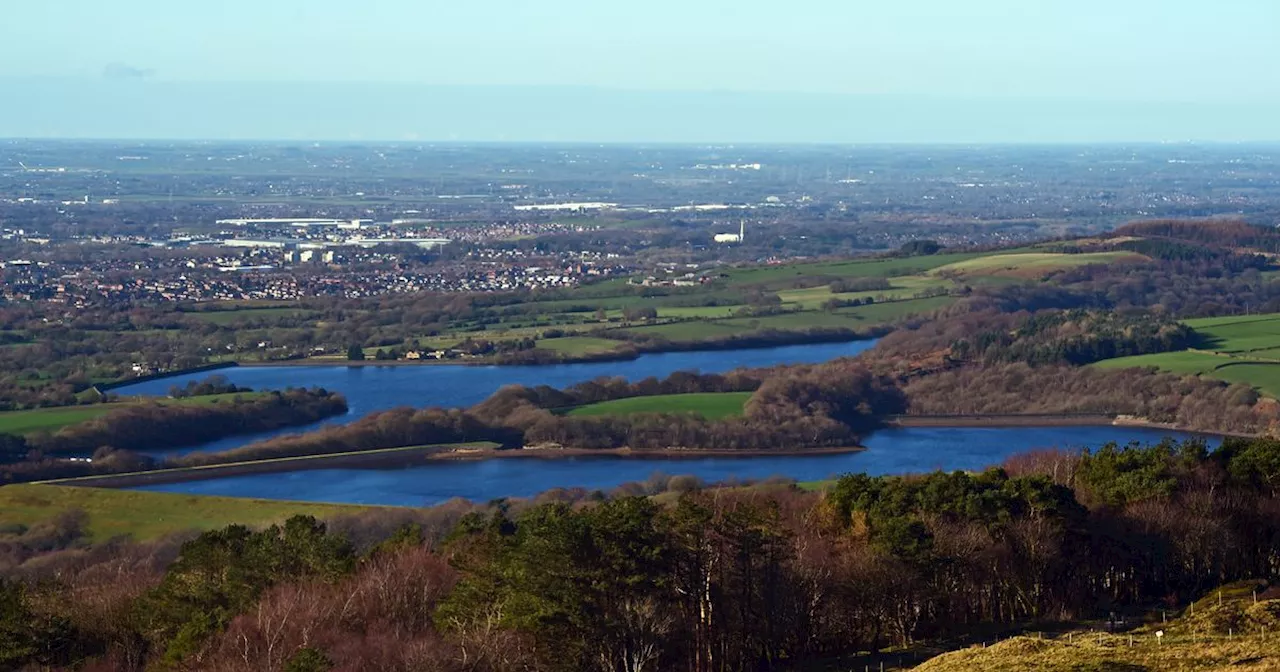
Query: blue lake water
[895,451]
[377,388]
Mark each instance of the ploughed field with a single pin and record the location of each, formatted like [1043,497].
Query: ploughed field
[1237,349]
[710,405]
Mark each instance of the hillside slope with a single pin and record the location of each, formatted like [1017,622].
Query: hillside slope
[1238,635]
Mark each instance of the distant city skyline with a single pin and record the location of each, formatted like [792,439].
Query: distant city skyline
[663,71]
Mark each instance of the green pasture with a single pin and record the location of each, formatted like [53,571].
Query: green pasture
[862,268]
[146,515]
[579,345]
[691,331]
[845,318]
[1238,334]
[696,312]
[710,405]
[223,317]
[53,419]
[1030,262]
[1187,362]
[903,287]
[1263,375]
[881,313]
[50,419]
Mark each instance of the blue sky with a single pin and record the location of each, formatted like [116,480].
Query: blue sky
[1221,54]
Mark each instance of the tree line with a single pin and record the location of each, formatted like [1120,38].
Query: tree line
[1075,337]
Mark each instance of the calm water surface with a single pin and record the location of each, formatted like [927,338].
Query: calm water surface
[896,451]
[377,388]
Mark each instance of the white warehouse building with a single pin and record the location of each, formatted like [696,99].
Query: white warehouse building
[732,237]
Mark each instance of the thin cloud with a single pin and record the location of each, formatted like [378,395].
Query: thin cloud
[126,71]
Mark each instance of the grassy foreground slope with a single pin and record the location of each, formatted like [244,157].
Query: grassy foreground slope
[1112,653]
[1226,630]
[146,515]
[710,405]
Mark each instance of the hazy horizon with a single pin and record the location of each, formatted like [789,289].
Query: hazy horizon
[54,108]
[911,71]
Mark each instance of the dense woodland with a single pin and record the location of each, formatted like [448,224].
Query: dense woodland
[1186,401]
[736,579]
[1074,337]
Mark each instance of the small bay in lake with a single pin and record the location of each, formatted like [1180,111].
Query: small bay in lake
[891,451]
[369,389]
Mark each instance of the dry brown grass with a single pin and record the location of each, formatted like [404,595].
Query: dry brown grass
[1237,635]
[1087,652]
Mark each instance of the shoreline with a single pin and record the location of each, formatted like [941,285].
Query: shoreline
[997,421]
[634,353]
[628,453]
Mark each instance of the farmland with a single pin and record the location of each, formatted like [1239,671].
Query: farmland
[779,275]
[248,314]
[579,345]
[1029,264]
[704,305]
[1237,349]
[145,515]
[710,405]
[859,317]
[55,418]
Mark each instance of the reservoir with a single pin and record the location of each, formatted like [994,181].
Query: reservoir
[371,388]
[891,451]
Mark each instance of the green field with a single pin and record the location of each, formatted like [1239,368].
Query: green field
[53,419]
[1237,349]
[1030,263]
[579,345]
[1239,333]
[686,312]
[865,268]
[795,321]
[880,313]
[1188,362]
[1260,374]
[857,317]
[1264,376]
[247,314]
[710,405]
[147,515]
[691,331]
[904,287]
